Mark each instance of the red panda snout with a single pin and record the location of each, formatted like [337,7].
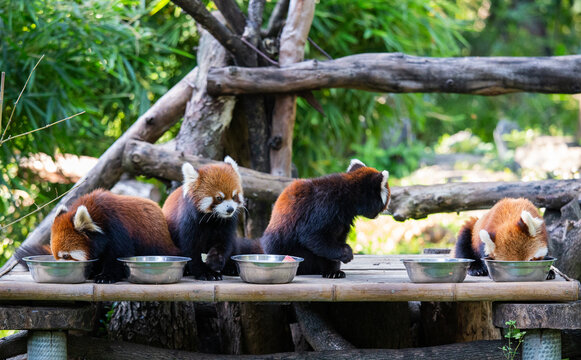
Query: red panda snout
[66,242]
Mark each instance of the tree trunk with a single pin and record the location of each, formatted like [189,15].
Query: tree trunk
[400,73]
[292,49]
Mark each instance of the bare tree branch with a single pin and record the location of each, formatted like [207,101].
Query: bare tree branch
[399,73]
[276,19]
[233,15]
[219,31]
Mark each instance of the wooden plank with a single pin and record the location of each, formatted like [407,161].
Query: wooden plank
[369,278]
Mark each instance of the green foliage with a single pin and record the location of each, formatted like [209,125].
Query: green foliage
[512,333]
[110,58]
[344,28]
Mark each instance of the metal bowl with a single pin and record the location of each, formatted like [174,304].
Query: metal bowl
[536,270]
[266,269]
[46,269]
[154,269]
[443,270]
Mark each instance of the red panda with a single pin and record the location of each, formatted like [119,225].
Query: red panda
[102,225]
[312,217]
[511,230]
[202,218]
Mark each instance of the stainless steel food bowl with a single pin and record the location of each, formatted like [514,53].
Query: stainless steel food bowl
[154,269]
[536,270]
[434,270]
[266,269]
[45,269]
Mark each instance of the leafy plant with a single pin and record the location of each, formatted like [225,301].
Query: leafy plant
[512,333]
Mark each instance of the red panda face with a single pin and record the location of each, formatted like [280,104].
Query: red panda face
[68,238]
[358,170]
[215,189]
[524,240]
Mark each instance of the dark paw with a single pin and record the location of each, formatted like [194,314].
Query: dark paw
[478,271]
[215,260]
[334,275]
[105,279]
[346,254]
[209,276]
[551,275]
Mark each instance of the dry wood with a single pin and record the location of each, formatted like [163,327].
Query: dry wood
[219,31]
[292,49]
[154,161]
[206,118]
[400,73]
[233,15]
[13,345]
[539,316]
[94,348]
[416,202]
[276,20]
[318,332]
[149,127]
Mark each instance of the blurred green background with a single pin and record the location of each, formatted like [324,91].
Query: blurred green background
[114,58]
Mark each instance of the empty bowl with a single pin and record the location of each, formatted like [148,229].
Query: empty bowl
[154,269]
[434,270]
[267,269]
[46,269]
[536,270]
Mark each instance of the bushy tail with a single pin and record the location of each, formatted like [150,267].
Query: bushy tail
[464,242]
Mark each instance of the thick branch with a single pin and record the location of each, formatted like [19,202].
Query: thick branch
[219,31]
[276,19]
[155,161]
[292,49]
[407,202]
[399,73]
[233,15]
[318,332]
[13,345]
[416,202]
[167,111]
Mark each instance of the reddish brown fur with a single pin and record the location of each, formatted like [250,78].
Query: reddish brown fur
[511,239]
[141,217]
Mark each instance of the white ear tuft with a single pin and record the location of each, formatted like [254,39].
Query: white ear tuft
[489,245]
[84,222]
[384,191]
[355,164]
[61,210]
[533,224]
[229,160]
[190,174]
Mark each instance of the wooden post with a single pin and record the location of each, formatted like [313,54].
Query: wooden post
[292,50]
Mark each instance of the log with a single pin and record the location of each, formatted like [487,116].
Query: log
[400,73]
[167,111]
[539,316]
[318,331]
[292,49]
[206,118]
[407,202]
[13,345]
[416,202]
[154,161]
[96,349]
[40,317]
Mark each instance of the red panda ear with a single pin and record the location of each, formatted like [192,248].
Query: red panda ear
[528,224]
[486,238]
[190,177]
[229,160]
[83,221]
[61,210]
[354,165]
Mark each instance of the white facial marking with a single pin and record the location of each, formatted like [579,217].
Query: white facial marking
[533,224]
[541,253]
[205,204]
[83,221]
[222,208]
[190,177]
[353,163]
[234,193]
[229,160]
[384,191]
[489,245]
[220,194]
[78,255]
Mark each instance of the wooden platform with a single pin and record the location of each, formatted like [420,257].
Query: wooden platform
[369,278]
